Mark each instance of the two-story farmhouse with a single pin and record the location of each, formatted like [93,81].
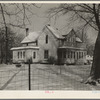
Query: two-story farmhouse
[39,46]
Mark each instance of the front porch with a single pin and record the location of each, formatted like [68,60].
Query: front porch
[70,54]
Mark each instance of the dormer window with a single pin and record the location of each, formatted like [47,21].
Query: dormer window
[46,39]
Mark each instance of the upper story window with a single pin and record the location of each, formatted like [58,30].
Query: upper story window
[36,42]
[27,44]
[46,39]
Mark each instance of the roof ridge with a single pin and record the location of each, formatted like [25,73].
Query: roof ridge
[60,36]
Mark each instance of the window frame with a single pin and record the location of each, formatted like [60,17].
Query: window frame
[34,55]
[46,54]
[18,54]
[23,54]
[46,39]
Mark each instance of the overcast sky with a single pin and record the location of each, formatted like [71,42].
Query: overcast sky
[39,20]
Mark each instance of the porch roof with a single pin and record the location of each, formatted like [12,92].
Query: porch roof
[24,48]
[68,47]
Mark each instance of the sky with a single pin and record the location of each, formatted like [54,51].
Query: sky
[39,20]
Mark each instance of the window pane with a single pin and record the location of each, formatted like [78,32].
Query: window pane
[18,54]
[21,54]
[77,55]
[34,55]
[46,54]
[64,54]
[46,38]
[24,54]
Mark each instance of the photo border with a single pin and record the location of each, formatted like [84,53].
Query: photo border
[41,95]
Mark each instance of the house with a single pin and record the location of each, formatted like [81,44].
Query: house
[72,48]
[40,46]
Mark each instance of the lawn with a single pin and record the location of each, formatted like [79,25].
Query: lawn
[45,77]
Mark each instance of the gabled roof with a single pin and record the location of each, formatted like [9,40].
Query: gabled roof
[68,32]
[55,32]
[32,37]
[77,38]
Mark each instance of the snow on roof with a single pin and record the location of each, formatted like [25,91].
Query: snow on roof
[56,32]
[23,48]
[78,39]
[68,31]
[32,37]
[68,47]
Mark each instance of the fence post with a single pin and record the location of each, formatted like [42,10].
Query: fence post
[60,69]
[29,72]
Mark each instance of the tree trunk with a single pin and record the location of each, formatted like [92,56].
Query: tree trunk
[95,69]
[1,50]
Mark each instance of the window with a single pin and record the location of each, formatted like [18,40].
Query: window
[64,53]
[74,55]
[36,42]
[71,54]
[77,55]
[27,44]
[23,54]
[82,54]
[46,54]
[68,54]
[46,39]
[18,54]
[34,55]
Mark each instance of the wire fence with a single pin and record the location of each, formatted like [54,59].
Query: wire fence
[40,77]
[19,78]
[14,78]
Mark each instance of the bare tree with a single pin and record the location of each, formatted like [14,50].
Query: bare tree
[89,14]
[15,15]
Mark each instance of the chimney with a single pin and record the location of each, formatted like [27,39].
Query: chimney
[27,31]
[48,24]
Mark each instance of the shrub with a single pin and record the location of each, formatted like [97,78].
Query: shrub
[81,61]
[68,61]
[52,60]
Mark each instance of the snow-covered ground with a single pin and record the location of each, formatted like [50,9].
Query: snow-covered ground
[45,77]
